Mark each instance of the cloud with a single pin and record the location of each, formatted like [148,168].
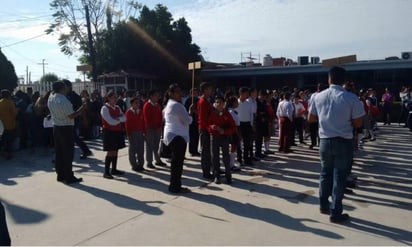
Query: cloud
[369,28]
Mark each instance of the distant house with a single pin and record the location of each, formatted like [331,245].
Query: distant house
[124,80]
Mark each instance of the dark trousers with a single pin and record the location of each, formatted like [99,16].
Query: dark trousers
[220,142]
[297,126]
[178,149]
[81,144]
[7,140]
[246,135]
[4,232]
[261,131]
[64,148]
[285,126]
[314,130]
[205,158]
[193,138]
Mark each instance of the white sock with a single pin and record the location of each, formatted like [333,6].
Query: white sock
[266,146]
[232,159]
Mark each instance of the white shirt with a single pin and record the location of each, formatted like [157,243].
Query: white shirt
[299,110]
[245,111]
[177,121]
[60,109]
[285,109]
[234,116]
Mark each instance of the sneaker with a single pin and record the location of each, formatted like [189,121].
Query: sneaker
[339,218]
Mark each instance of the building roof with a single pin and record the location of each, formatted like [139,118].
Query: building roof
[221,71]
[128,73]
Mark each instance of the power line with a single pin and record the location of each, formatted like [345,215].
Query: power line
[22,41]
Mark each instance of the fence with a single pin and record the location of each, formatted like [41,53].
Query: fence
[43,88]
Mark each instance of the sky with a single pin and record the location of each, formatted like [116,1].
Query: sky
[226,29]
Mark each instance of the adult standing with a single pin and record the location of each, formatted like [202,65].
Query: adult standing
[8,114]
[403,95]
[338,112]
[63,115]
[152,114]
[204,109]
[76,101]
[113,139]
[176,135]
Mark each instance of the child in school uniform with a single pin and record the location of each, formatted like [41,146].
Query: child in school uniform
[231,105]
[221,127]
[135,133]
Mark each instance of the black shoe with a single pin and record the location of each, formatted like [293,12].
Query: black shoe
[182,190]
[217,180]
[117,172]
[150,166]
[195,154]
[293,144]
[73,180]
[260,156]
[60,179]
[235,169]
[108,176]
[85,155]
[269,152]
[255,159]
[229,179]
[348,191]
[208,176]
[311,147]
[288,151]
[160,163]
[339,218]
[138,169]
[250,163]
[324,211]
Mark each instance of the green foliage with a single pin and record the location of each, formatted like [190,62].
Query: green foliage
[153,43]
[49,77]
[8,77]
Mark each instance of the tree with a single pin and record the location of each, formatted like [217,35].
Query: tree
[70,20]
[49,77]
[8,77]
[153,43]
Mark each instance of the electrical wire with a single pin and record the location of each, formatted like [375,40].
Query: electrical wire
[22,41]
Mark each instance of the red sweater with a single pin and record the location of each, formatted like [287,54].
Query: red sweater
[134,121]
[115,113]
[152,115]
[224,121]
[204,108]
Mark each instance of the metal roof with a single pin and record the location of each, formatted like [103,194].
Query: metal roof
[306,69]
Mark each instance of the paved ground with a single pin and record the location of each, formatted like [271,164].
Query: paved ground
[274,203]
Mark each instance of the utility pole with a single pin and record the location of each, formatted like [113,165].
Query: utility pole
[27,74]
[91,48]
[43,63]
